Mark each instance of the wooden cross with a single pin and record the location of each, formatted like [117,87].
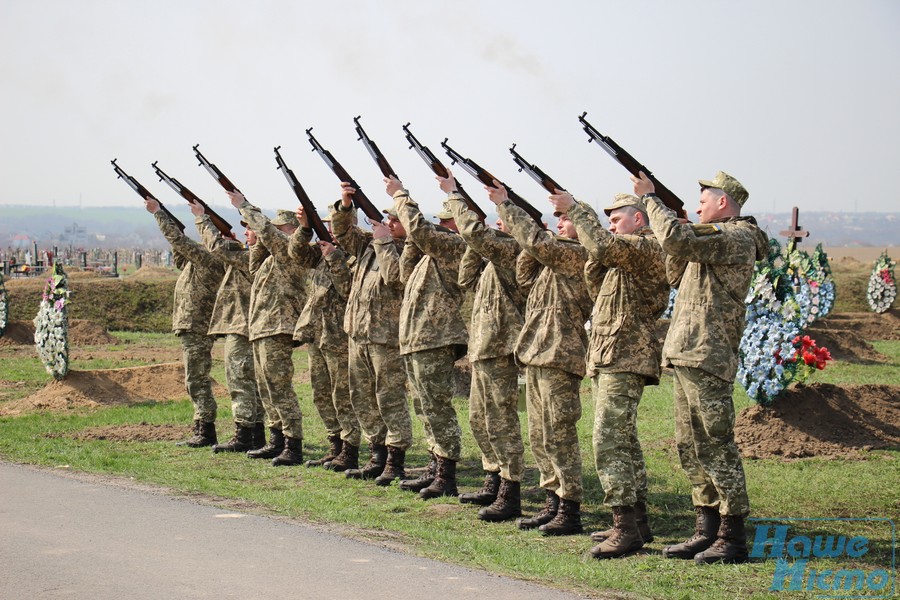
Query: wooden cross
[794,234]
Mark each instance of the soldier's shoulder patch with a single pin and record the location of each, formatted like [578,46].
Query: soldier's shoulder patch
[700,229]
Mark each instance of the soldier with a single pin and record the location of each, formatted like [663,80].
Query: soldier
[376,371]
[489,264]
[195,295]
[626,273]
[552,347]
[321,328]
[276,298]
[432,335]
[712,265]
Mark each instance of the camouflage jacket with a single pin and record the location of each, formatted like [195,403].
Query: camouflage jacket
[232,305]
[429,315]
[278,292]
[321,322]
[558,306]
[195,289]
[711,264]
[373,304]
[489,264]
[631,292]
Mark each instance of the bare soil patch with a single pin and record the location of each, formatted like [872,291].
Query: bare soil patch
[154,273]
[822,420]
[867,325]
[107,387]
[82,332]
[138,432]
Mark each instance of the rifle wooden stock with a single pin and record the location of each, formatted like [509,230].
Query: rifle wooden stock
[215,172]
[361,201]
[221,224]
[632,165]
[535,172]
[386,169]
[143,192]
[309,209]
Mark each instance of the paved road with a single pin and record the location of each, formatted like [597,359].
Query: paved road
[83,537]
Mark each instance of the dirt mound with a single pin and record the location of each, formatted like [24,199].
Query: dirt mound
[82,332]
[107,387]
[822,420]
[845,344]
[146,273]
[140,432]
[867,325]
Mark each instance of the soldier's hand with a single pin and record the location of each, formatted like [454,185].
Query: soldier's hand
[197,209]
[151,204]
[301,216]
[392,185]
[236,198]
[326,247]
[562,202]
[347,191]
[642,185]
[380,230]
[448,183]
[497,193]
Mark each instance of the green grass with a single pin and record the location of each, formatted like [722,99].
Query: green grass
[446,530]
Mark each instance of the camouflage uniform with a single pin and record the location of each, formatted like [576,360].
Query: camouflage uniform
[376,370]
[276,298]
[432,331]
[195,294]
[229,319]
[631,293]
[321,327]
[489,264]
[552,346]
[712,266]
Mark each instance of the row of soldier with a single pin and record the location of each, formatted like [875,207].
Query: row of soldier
[379,312]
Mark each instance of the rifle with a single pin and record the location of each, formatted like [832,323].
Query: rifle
[361,201]
[535,172]
[220,223]
[143,192]
[472,168]
[632,165]
[309,209]
[215,172]
[438,168]
[379,158]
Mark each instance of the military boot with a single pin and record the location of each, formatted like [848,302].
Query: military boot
[394,468]
[508,504]
[551,507]
[335,445]
[567,520]
[241,441]
[444,483]
[730,545]
[488,492]
[422,481]
[347,459]
[625,538]
[195,431]
[708,521]
[291,455]
[375,466]
[643,523]
[205,435]
[273,448]
[259,436]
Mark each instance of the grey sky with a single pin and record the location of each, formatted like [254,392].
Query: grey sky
[798,100]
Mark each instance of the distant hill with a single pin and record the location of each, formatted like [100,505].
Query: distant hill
[133,227]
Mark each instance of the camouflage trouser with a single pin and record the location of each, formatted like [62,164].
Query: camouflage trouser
[246,406]
[493,416]
[617,451]
[331,393]
[704,434]
[197,357]
[553,412]
[378,394]
[430,373]
[274,375]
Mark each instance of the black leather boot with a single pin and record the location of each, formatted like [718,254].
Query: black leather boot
[444,483]
[567,520]
[373,468]
[625,538]
[259,436]
[273,448]
[195,431]
[730,545]
[488,492]
[643,523]
[422,481]
[291,455]
[394,468]
[347,459]
[708,521]
[551,507]
[508,504]
[242,441]
[335,445]
[205,435]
